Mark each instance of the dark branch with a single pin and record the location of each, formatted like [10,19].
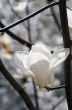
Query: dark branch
[69,8]
[55,88]
[29,16]
[15,37]
[17,87]
[29,38]
[36,95]
[54,16]
[28,24]
[67,44]
[18,16]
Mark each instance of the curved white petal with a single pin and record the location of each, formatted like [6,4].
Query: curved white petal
[35,57]
[38,63]
[41,48]
[69,14]
[59,56]
[50,77]
[44,79]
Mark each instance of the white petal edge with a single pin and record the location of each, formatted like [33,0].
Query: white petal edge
[41,48]
[59,56]
[35,57]
[69,14]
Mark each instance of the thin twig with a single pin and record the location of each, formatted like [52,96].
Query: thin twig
[28,24]
[29,16]
[69,8]
[15,37]
[55,88]
[18,16]
[55,16]
[17,87]
[67,44]
[29,36]
[36,95]
[58,103]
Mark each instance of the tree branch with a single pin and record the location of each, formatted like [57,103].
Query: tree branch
[36,95]
[28,24]
[17,87]
[55,88]
[15,37]
[18,16]
[29,16]
[67,44]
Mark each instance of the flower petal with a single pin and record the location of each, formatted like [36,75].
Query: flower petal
[69,14]
[18,59]
[38,63]
[41,48]
[23,74]
[35,57]
[59,56]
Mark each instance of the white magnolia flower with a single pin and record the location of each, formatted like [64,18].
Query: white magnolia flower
[69,15]
[39,63]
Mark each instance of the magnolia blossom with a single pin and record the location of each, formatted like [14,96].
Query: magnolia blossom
[39,63]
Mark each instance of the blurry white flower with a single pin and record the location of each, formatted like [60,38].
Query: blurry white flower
[69,14]
[20,6]
[39,63]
